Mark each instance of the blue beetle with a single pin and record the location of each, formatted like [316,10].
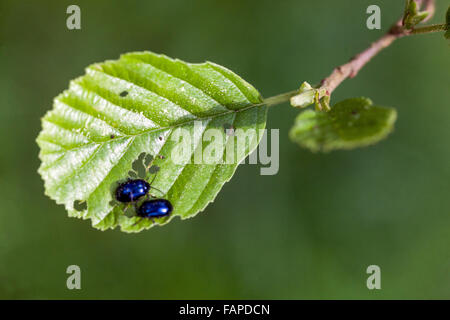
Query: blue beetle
[156,208]
[132,190]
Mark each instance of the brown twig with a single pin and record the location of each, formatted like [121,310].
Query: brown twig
[351,69]
[320,95]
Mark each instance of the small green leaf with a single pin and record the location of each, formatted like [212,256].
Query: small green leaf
[117,121]
[307,95]
[350,124]
[418,18]
[412,15]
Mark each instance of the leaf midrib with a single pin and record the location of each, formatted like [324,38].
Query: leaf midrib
[126,136]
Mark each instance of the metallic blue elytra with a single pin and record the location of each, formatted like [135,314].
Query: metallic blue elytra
[156,208]
[132,190]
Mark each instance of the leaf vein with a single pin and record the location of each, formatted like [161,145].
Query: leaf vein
[212,174]
[149,90]
[111,125]
[181,79]
[102,96]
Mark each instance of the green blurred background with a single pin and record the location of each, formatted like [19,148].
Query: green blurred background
[308,232]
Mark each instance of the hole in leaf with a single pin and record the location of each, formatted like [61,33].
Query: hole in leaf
[154,169]
[132,174]
[80,205]
[228,129]
[138,165]
[148,160]
[129,211]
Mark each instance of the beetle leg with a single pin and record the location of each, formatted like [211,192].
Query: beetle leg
[139,220]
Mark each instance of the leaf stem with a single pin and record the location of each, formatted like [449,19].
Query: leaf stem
[430,29]
[280,98]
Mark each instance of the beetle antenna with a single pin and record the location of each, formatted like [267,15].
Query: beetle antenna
[156,173]
[158,190]
[151,182]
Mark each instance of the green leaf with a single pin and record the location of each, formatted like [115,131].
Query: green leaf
[119,120]
[412,15]
[350,124]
